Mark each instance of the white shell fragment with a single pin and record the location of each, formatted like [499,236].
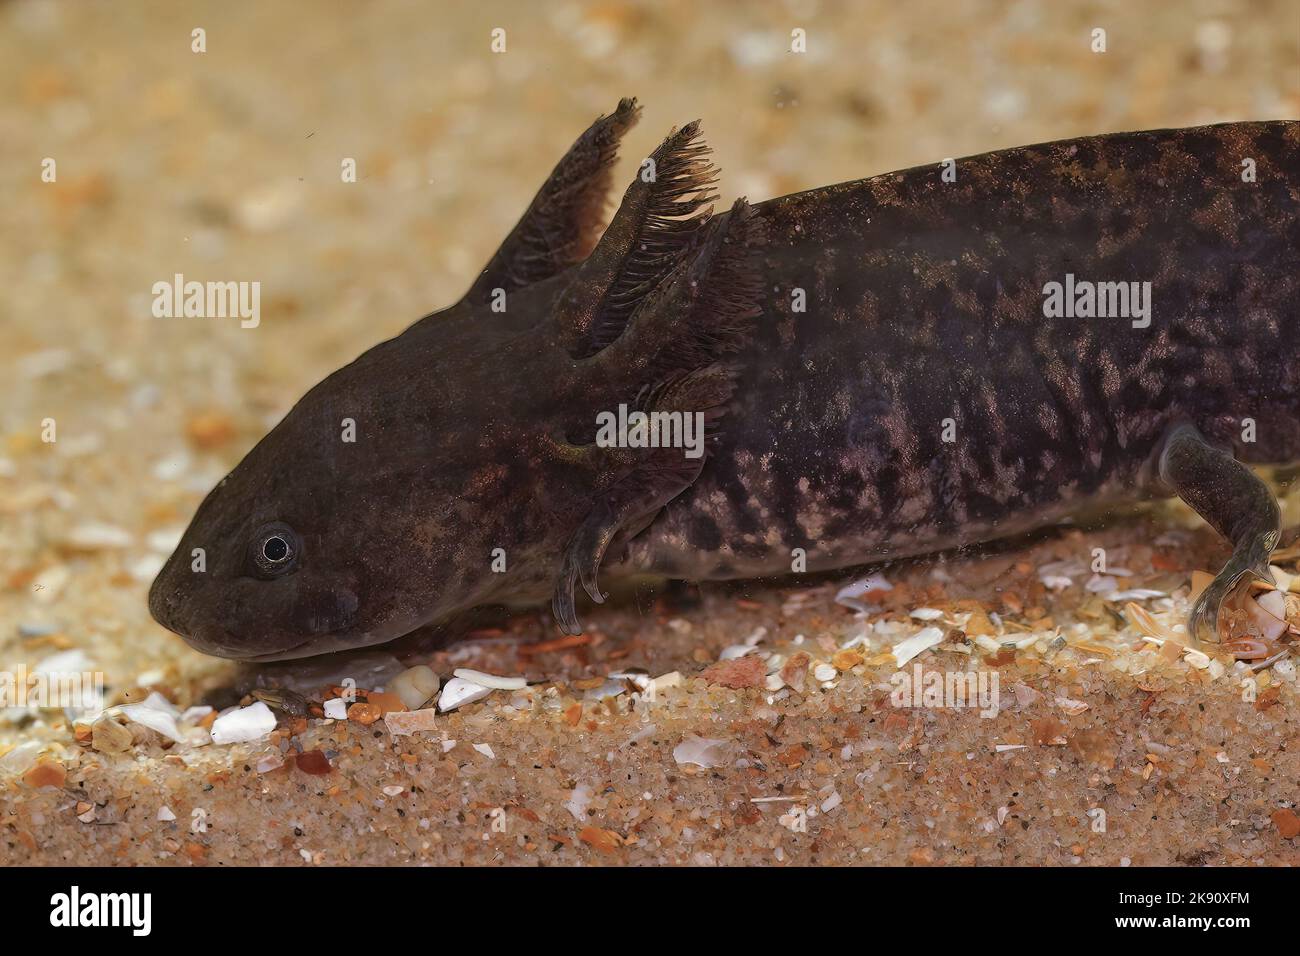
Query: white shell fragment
[578,800]
[336,708]
[1268,614]
[851,594]
[1274,602]
[702,751]
[157,713]
[246,723]
[490,680]
[458,691]
[922,640]
[611,688]
[666,681]
[1135,594]
[70,662]
[96,536]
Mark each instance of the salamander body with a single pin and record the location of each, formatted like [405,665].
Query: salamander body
[915,361]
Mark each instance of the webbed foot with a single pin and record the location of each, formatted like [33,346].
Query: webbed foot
[1236,503]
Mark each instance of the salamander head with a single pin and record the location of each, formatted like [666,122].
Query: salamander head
[254,576]
[458,465]
[373,508]
[287,555]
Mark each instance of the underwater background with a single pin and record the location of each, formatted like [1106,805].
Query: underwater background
[226,165]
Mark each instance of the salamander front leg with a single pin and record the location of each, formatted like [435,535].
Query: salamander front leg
[1236,503]
[655,477]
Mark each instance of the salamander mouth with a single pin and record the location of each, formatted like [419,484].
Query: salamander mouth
[289,653]
[317,646]
[218,641]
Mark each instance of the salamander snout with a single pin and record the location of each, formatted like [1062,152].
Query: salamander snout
[166,601]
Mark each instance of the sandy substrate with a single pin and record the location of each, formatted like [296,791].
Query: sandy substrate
[225,165]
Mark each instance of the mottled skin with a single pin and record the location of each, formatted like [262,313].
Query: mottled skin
[474,428]
[925,302]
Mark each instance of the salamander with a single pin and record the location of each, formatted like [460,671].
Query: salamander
[898,365]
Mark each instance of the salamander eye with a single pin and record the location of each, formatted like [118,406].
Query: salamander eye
[274,550]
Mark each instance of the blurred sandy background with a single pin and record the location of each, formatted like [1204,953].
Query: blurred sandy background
[226,166]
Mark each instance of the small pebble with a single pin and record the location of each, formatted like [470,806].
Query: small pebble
[415,686]
[20,759]
[313,762]
[402,723]
[272,761]
[47,773]
[109,737]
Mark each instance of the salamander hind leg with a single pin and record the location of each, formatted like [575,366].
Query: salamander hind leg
[1235,502]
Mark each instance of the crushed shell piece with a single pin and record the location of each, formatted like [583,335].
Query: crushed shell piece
[922,640]
[490,680]
[702,752]
[246,723]
[157,713]
[458,692]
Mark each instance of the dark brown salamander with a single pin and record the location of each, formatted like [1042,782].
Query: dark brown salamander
[901,364]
